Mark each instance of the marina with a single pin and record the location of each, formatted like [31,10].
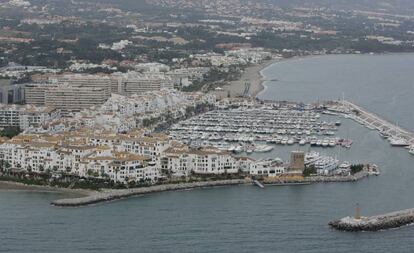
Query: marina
[259,127]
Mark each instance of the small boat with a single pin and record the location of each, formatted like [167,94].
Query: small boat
[238,149]
[231,148]
[263,148]
[373,170]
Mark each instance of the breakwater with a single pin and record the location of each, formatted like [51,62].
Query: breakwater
[375,223]
[318,179]
[109,195]
[372,121]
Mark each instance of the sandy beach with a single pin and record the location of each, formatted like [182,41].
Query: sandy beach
[251,74]
[14,186]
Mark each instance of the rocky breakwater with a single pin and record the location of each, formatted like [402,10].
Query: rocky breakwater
[109,195]
[375,223]
[329,179]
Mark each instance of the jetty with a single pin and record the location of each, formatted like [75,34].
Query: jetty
[373,121]
[258,184]
[110,195]
[374,223]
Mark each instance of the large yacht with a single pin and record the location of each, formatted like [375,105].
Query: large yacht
[398,142]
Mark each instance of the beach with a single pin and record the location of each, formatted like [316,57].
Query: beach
[252,75]
[14,186]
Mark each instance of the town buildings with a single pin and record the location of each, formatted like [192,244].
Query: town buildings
[26,116]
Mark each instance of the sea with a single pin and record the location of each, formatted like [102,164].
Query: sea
[247,218]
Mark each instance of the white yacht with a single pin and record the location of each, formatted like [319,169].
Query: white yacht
[398,142]
[263,148]
[411,150]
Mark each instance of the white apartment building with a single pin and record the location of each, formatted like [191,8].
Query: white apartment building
[138,83]
[267,168]
[71,99]
[65,153]
[182,160]
[84,80]
[26,116]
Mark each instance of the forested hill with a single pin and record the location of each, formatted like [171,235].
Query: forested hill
[396,6]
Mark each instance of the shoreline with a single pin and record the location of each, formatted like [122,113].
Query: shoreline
[8,186]
[111,195]
[84,197]
[254,75]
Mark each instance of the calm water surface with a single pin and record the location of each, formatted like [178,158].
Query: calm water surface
[382,83]
[243,218]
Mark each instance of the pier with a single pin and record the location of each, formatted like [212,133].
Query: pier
[373,121]
[258,184]
[375,223]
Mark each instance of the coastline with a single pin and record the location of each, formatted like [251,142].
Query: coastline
[254,75]
[7,186]
[82,197]
[111,195]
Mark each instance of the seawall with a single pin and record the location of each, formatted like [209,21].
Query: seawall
[375,223]
[120,194]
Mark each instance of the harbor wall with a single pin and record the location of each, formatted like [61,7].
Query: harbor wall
[119,194]
[320,179]
[375,223]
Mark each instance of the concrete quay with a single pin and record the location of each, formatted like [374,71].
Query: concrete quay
[375,223]
[372,121]
[110,195]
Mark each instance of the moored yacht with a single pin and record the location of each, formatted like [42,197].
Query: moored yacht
[398,142]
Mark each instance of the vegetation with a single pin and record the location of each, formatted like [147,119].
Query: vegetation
[309,170]
[356,168]
[10,132]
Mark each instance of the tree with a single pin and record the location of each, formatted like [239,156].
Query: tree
[309,171]
[10,131]
[356,168]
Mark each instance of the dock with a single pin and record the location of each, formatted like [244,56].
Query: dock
[373,121]
[258,184]
[375,223]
